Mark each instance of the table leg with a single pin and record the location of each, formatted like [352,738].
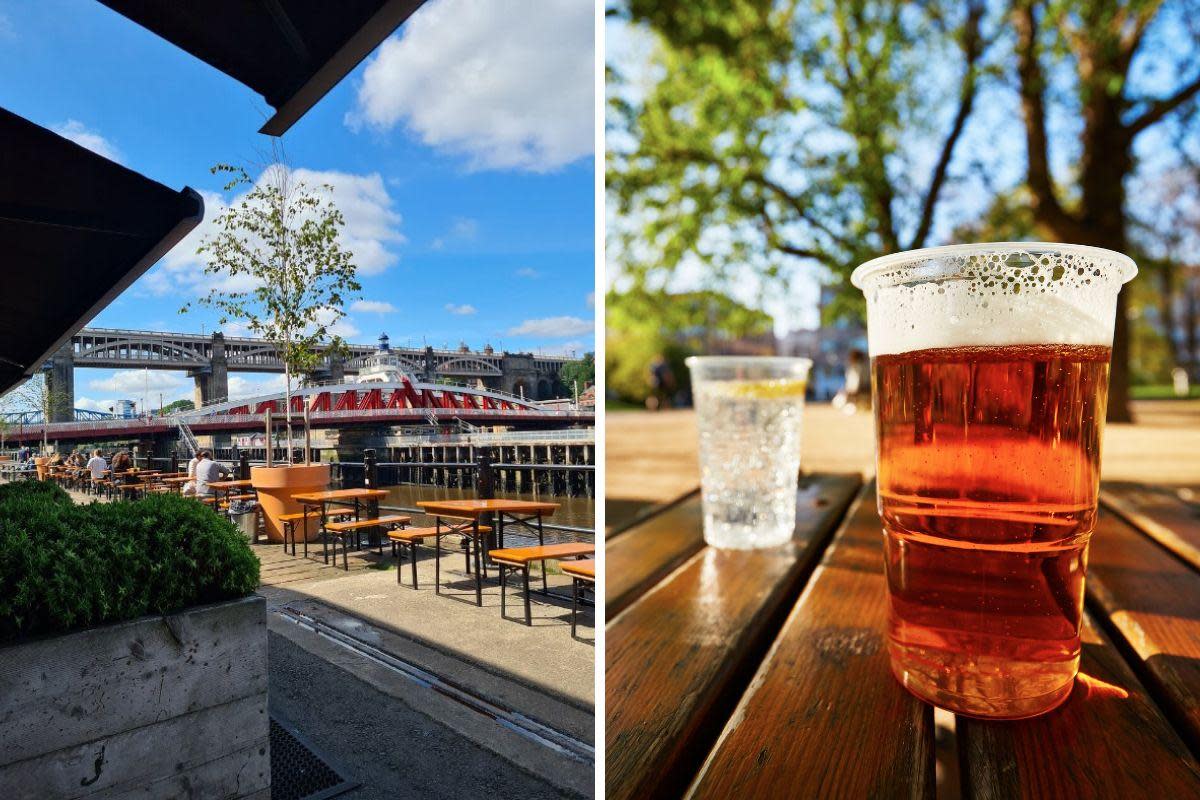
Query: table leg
[478,562]
[528,607]
[437,555]
[574,604]
[542,543]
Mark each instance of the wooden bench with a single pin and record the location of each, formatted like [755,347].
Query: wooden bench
[582,574]
[289,525]
[522,557]
[343,530]
[766,674]
[410,537]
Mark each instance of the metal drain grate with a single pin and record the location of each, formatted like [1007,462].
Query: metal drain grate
[297,771]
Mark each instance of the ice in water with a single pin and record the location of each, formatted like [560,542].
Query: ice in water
[749,460]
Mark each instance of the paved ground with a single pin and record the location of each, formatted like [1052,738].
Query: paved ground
[543,656]
[378,740]
[652,457]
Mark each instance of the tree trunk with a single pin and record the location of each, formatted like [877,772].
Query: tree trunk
[287,409]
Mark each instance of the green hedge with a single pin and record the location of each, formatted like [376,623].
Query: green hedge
[65,567]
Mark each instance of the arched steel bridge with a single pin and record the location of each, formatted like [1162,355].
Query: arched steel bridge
[128,349]
[343,405]
[33,417]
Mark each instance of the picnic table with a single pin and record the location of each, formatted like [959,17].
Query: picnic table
[522,513]
[764,673]
[346,497]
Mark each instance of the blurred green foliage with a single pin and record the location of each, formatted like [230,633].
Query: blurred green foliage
[642,325]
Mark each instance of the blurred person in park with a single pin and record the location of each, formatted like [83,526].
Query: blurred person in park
[662,384]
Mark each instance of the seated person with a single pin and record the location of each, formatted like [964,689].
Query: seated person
[208,471]
[97,466]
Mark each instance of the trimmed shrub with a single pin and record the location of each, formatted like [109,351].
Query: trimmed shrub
[66,567]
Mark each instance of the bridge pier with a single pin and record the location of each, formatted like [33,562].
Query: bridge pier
[212,382]
[520,375]
[60,384]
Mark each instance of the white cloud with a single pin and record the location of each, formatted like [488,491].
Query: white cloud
[372,228]
[240,387]
[464,228]
[130,383]
[553,327]
[508,85]
[572,348]
[372,307]
[81,134]
[528,272]
[463,310]
[92,405]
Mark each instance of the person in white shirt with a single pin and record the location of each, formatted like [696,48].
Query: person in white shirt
[190,486]
[208,471]
[97,466]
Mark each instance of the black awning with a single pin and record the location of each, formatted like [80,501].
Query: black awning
[75,230]
[290,51]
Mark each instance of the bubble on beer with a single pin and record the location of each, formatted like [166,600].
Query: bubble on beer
[992,298]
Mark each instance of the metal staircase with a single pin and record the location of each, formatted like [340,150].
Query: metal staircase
[187,437]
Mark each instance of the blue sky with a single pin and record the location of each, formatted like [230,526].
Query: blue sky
[461,153]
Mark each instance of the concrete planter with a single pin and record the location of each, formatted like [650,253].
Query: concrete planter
[156,707]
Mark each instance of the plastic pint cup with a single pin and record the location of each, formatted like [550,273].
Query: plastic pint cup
[990,368]
[748,412]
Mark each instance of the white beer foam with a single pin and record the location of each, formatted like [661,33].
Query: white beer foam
[1004,296]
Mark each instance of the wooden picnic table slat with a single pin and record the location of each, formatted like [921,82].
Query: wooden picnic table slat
[1159,512]
[646,552]
[824,717]
[1108,740]
[679,656]
[1151,599]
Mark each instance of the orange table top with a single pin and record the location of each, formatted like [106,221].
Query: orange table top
[337,494]
[239,484]
[183,479]
[477,508]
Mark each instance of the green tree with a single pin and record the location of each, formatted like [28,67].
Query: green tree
[282,240]
[769,136]
[642,325]
[178,405]
[1117,69]
[581,372]
[782,135]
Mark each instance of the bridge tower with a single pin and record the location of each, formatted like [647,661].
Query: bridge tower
[212,382]
[520,375]
[60,383]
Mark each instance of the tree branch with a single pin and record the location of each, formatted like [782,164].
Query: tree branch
[1033,106]
[1161,108]
[972,46]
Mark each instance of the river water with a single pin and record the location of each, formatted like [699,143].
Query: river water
[575,511]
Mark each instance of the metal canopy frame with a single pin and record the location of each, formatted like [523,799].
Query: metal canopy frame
[75,231]
[292,52]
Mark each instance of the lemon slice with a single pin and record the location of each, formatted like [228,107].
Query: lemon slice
[761,390]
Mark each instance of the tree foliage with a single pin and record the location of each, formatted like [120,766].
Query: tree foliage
[767,137]
[581,372]
[642,325]
[279,266]
[778,135]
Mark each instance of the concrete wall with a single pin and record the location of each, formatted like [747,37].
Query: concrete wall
[155,707]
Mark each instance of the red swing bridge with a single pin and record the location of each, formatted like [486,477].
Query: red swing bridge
[403,402]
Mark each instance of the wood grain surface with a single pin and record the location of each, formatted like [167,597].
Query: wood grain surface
[679,656]
[649,550]
[1107,741]
[824,717]
[1161,513]
[1150,600]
